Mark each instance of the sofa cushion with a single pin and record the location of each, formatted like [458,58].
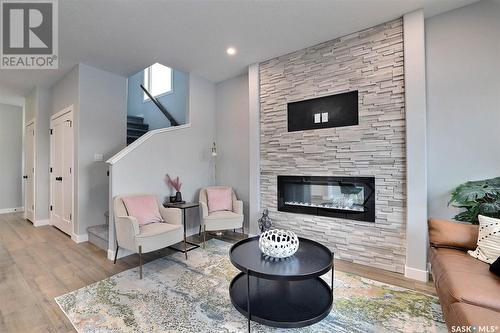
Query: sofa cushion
[451,234]
[153,229]
[461,278]
[462,314]
[144,208]
[223,220]
[155,236]
[488,241]
[219,199]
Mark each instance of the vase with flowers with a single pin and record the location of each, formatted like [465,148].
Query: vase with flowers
[176,185]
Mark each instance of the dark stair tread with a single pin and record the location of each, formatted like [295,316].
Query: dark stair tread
[131,139]
[135,120]
[137,126]
[133,136]
[135,132]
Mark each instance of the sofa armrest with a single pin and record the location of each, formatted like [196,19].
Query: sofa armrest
[238,207]
[204,209]
[171,215]
[451,234]
[127,228]
[127,225]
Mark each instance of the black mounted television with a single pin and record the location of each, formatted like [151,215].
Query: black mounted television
[324,112]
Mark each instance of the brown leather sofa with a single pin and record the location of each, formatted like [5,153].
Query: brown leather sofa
[469,293]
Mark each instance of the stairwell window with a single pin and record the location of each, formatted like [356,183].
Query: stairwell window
[158,80]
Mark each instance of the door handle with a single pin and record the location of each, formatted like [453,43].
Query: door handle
[59,179]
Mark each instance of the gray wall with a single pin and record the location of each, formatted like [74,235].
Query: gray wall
[39,107]
[65,93]
[183,152]
[42,179]
[232,137]
[99,105]
[370,61]
[11,147]
[102,130]
[463,100]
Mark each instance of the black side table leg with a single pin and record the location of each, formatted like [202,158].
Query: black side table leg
[332,276]
[184,220]
[248,300]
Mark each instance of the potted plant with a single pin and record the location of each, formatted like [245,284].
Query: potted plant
[477,198]
[176,185]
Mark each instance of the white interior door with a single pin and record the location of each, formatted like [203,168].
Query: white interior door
[61,176]
[29,172]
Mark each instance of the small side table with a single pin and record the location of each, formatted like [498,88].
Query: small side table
[183,206]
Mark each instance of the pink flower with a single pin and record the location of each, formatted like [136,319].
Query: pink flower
[174,183]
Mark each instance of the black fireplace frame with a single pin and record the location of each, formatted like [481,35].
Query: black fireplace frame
[368,215]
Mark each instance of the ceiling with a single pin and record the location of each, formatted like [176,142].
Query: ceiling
[125,36]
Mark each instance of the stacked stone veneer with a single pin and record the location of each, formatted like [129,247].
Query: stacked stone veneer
[370,61]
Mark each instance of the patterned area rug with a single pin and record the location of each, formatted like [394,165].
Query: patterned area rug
[192,296]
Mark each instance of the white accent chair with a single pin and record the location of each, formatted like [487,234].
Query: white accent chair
[221,220]
[150,237]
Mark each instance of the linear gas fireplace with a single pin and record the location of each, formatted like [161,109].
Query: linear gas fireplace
[343,197]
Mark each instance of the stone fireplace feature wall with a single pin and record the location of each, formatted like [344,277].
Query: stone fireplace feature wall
[370,61]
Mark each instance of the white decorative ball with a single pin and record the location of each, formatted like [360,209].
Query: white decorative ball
[278,243]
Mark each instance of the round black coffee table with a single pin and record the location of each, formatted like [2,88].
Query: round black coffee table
[284,293]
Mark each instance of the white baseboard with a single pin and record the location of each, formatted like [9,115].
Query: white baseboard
[121,253]
[416,274]
[39,223]
[80,238]
[11,210]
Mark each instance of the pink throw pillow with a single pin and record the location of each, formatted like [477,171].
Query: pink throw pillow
[219,198]
[144,208]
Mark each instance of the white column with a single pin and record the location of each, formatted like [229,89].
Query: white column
[416,155]
[254,146]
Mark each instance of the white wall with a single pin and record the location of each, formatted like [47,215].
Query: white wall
[254,146]
[11,137]
[232,137]
[181,152]
[30,107]
[416,155]
[463,100]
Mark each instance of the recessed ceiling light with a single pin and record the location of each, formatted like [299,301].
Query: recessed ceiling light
[231,50]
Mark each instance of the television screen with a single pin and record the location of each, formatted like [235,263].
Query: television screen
[324,112]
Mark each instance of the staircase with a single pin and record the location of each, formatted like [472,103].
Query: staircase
[99,234]
[135,128]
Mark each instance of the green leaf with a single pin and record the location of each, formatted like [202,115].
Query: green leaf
[487,208]
[477,197]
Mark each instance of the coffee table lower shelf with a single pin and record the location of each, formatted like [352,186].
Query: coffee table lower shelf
[282,303]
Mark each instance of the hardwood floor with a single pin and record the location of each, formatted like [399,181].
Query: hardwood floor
[38,264]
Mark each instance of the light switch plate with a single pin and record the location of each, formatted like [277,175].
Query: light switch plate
[317,118]
[98,157]
[324,117]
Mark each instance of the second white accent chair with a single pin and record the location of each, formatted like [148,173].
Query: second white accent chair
[220,220]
